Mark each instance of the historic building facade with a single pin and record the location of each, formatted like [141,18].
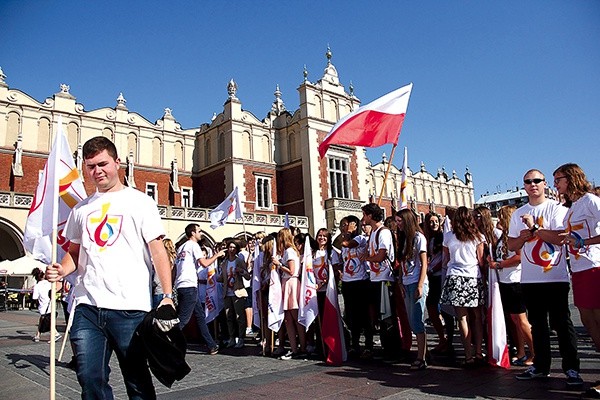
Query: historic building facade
[273,161]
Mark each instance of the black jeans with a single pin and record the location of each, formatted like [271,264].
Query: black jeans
[356,311]
[545,300]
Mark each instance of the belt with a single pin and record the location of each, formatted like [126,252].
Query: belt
[202,281]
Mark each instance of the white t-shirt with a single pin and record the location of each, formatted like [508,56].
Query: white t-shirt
[113,230]
[321,266]
[354,269]
[290,254]
[186,263]
[41,294]
[411,269]
[583,220]
[541,261]
[381,271]
[463,256]
[511,274]
[230,272]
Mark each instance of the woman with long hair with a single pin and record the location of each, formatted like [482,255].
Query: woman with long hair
[463,287]
[435,238]
[412,256]
[324,256]
[582,237]
[288,262]
[507,264]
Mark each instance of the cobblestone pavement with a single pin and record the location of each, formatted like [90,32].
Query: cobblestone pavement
[237,374]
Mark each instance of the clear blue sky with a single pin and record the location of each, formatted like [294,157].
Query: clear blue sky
[499,86]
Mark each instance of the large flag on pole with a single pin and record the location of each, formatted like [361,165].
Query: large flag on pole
[497,344]
[403,201]
[228,209]
[256,267]
[371,125]
[275,306]
[333,335]
[58,181]
[308,307]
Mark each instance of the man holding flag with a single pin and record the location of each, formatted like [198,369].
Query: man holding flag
[114,246]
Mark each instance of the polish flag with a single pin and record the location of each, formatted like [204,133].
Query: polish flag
[371,125]
[497,344]
[333,335]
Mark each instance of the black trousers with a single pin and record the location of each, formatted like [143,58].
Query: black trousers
[551,300]
[356,310]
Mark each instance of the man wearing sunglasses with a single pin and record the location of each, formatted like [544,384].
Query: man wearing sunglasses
[544,279]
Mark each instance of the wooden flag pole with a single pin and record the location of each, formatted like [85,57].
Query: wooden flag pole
[387,171]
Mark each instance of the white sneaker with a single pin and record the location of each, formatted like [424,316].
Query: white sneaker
[239,344]
[249,331]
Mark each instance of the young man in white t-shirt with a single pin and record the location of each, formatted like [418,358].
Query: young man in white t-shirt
[380,256]
[544,279]
[116,239]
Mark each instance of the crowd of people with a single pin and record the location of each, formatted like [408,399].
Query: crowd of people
[392,273]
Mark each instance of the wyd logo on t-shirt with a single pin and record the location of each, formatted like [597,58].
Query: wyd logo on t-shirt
[576,230]
[104,229]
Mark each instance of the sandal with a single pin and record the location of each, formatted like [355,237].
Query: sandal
[418,365]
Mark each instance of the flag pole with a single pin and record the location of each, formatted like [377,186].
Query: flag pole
[54,260]
[387,171]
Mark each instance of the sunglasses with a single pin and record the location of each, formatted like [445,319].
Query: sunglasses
[535,180]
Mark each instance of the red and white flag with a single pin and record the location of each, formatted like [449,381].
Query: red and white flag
[371,125]
[275,306]
[256,266]
[497,343]
[59,189]
[229,209]
[332,330]
[403,201]
[308,307]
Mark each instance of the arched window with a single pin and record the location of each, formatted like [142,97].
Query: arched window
[156,152]
[132,146]
[246,145]
[178,151]
[207,160]
[73,136]
[43,138]
[221,146]
[318,107]
[266,148]
[13,127]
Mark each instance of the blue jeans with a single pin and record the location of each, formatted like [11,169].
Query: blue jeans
[415,309]
[95,334]
[201,321]
[186,302]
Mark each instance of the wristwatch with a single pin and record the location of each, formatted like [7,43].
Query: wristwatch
[534,228]
[167,296]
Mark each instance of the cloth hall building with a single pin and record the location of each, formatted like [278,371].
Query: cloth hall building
[273,161]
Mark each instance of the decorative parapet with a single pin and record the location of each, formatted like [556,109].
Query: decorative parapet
[201,215]
[16,200]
